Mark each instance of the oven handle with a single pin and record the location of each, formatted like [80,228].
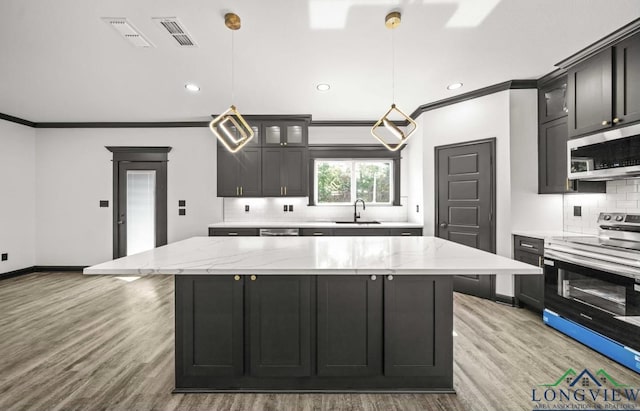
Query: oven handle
[592,263]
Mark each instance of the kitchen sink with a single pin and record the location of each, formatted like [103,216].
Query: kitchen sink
[357,222]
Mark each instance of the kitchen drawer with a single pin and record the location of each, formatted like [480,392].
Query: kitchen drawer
[216,232]
[405,231]
[316,231]
[528,244]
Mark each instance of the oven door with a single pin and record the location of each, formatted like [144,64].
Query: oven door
[602,301]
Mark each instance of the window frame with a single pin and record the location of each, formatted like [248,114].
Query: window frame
[353,152]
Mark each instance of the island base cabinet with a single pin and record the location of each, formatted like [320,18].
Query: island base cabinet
[329,333]
[418,326]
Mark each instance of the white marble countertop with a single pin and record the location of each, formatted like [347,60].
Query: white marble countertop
[314,224]
[543,235]
[314,256]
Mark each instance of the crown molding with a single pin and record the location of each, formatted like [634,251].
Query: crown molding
[17,120]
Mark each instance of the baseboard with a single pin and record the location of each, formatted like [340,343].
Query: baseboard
[41,269]
[17,273]
[505,299]
[46,268]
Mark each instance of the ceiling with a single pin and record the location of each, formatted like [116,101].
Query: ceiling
[61,63]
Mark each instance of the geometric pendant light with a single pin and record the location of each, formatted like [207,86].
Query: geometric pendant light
[230,127]
[385,130]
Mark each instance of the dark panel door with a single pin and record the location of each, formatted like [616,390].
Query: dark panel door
[552,100]
[590,87]
[209,320]
[349,325]
[250,172]
[280,326]
[418,325]
[552,157]
[141,204]
[271,172]
[628,80]
[294,172]
[227,168]
[465,180]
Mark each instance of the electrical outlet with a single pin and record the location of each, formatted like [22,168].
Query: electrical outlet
[5,256]
[291,207]
[246,208]
[577,211]
[182,203]
[104,203]
[286,208]
[182,211]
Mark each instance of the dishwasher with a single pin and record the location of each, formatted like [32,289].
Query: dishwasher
[279,232]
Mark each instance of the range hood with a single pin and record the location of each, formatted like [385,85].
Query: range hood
[610,155]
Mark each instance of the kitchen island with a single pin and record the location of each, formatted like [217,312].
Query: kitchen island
[314,314]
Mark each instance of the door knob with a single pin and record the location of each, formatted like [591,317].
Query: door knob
[443,225]
[120,221]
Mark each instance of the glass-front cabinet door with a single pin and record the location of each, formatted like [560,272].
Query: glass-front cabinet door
[283,134]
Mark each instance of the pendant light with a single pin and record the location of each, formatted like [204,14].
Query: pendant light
[230,127]
[385,125]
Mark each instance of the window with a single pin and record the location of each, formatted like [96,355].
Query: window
[342,181]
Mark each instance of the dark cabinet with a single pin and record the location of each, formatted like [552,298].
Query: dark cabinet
[239,174]
[405,232]
[280,324]
[604,90]
[553,134]
[233,232]
[418,325]
[349,328]
[529,289]
[364,231]
[316,232]
[284,172]
[361,232]
[211,341]
[285,133]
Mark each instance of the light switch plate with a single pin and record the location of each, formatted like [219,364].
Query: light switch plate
[182,211]
[5,256]
[577,211]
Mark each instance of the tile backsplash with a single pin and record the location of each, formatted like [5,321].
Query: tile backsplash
[272,209]
[621,196]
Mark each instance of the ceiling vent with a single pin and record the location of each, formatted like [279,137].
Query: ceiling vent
[176,29]
[126,30]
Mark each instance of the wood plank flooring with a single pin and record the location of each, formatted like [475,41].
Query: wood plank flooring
[74,342]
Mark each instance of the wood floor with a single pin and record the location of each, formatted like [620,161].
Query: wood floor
[73,342]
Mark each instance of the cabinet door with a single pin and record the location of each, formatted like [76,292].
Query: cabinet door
[552,157]
[294,172]
[227,168]
[627,107]
[418,321]
[233,232]
[317,232]
[405,231]
[295,134]
[209,318]
[529,289]
[250,172]
[273,134]
[552,100]
[271,172]
[280,326]
[361,232]
[349,328]
[590,94]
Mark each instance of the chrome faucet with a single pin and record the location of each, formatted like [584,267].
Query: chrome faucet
[356,215]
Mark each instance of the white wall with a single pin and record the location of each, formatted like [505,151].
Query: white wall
[74,172]
[17,196]
[529,210]
[413,159]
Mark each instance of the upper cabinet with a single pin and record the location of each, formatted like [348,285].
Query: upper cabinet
[552,100]
[604,90]
[239,174]
[285,133]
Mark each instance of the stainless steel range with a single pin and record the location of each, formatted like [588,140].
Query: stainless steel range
[592,284]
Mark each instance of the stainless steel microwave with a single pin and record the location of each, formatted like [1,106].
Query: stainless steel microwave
[605,156]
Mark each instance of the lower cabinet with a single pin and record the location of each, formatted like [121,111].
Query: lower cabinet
[326,332]
[529,289]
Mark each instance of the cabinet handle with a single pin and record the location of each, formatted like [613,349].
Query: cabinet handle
[318,233]
[232,233]
[389,277]
[540,261]
[568,185]
[236,277]
[526,245]
[285,143]
[282,144]
[253,278]
[586,316]
[605,122]
[405,234]
[285,190]
[616,120]
[240,191]
[237,191]
[280,190]
[373,277]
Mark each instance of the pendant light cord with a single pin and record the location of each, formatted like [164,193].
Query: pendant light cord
[232,68]
[393,67]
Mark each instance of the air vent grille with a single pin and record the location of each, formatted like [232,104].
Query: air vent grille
[128,31]
[176,29]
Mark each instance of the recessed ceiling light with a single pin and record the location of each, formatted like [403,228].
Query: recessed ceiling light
[192,87]
[323,87]
[454,86]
